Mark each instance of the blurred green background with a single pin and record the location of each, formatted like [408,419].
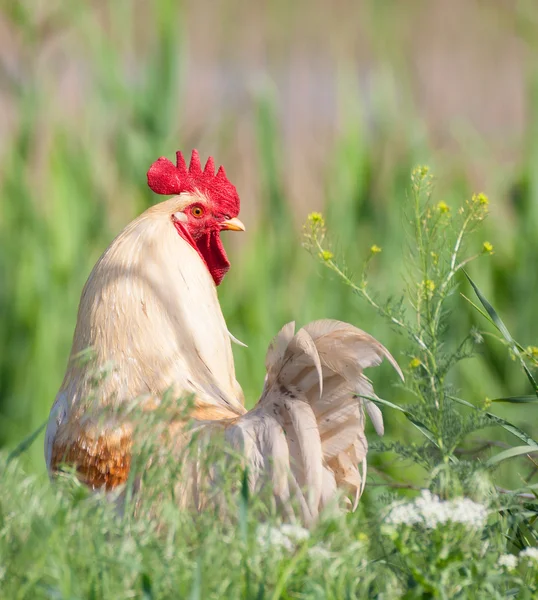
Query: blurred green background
[311,105]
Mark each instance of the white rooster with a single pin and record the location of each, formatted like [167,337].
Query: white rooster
[150,310]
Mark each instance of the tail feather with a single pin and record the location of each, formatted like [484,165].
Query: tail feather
[341,438]
[329,488]
[370,352]
[305,446]
[301,354]
[277,348]
[312,395]
[376,416]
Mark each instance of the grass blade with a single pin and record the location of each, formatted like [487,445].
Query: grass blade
[511,453]
[26,443]
[497,321]
[478,309]
[506,425]
[517,399]
[196,589]
[287,572]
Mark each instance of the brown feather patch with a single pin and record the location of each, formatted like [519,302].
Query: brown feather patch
[102,453]
[100,461]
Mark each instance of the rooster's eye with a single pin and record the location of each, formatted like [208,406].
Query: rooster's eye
[197,211]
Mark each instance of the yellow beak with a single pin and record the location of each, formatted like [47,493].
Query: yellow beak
[232,225]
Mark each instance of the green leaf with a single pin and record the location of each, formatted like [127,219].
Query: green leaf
[510,427]
[26,443]
[517,399]
[511,453]
[147,593]
[243,505]
[497,321]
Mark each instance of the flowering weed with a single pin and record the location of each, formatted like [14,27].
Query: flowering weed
[461,535]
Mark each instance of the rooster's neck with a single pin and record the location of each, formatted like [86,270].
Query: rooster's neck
[150,310]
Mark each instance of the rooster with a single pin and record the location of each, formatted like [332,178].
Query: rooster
[149,312]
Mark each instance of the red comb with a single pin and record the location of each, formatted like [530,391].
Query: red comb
[165,178]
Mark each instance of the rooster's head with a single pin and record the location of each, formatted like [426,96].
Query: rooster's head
[206,205]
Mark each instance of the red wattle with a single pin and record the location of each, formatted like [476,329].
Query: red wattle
[209,247]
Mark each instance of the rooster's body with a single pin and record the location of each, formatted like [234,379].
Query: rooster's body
[150,315]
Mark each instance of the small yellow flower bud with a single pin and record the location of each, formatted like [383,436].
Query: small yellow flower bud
[420,172]
[487,248]
[316,217]
[375,249]
[415,363]
[428,285]
[362,537]
[487,403]
[481,199]
[326,255]
[533,351]
[443,207]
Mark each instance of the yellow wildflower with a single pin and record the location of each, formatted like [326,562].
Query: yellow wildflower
[326,255]
[415,363]
[375,249]
[487,248]
[428,285]
[481,199]
[487,403]
[316,218]
[420,172]
[443,207]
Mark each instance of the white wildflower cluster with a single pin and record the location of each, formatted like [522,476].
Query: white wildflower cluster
[288,537]
[530,554]
[285,537]
[430,512]
[510,561]
[319,552]
[507,561]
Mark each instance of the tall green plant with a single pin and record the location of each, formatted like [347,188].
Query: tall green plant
[439,240]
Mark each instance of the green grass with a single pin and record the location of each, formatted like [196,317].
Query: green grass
[69,546]
[73,174]
[67,543]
